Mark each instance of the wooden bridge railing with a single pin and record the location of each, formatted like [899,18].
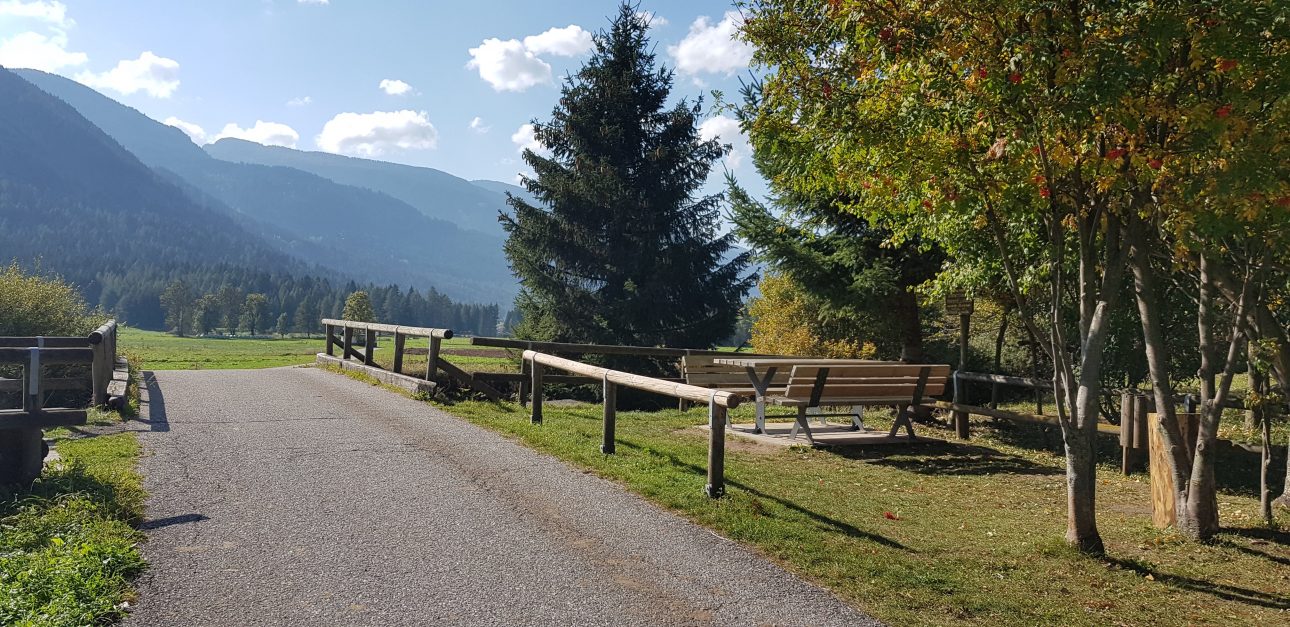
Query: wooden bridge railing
[718,403]
[435,364]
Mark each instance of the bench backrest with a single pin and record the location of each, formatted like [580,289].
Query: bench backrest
[699,370]
[869,382]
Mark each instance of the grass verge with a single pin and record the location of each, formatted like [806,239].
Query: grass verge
[68,551]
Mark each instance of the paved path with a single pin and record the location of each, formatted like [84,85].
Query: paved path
[294,496]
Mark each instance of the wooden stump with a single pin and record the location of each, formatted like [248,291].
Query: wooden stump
[1162,480]
[21,456]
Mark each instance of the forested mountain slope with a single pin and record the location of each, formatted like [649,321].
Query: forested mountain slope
[358,231]
[435,193]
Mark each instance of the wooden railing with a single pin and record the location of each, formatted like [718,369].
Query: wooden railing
[102,344]
[719,402]
[435,363]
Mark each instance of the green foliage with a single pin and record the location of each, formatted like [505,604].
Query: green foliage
[253,312]
[358,307]
[619,248]
[37,305]
[179,304]
[786,320]
[68,551]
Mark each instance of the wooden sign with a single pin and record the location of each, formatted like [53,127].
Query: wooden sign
[958,304]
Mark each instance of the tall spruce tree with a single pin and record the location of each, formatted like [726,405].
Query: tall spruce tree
[621,247]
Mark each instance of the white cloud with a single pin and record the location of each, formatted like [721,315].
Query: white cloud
[267,133]
[652,18]
[394,87]
[525,138]
[158,76]
[565,42]
[508,66]
[371,134]
[478,125]
[52,12]
[39,52]
[194,132]
[726,130]
[300,102]
[713,48]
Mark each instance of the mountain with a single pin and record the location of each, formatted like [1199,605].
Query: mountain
[436,194]
[74,201]
[506,188]
[362,232]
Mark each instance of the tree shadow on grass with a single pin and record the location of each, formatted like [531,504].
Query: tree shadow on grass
[1222,591]
[832,523]
[934,457]
[1259,536]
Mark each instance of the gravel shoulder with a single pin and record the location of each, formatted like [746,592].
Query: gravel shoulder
[293,496]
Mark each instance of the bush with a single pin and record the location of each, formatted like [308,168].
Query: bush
[37,305]
[787,322]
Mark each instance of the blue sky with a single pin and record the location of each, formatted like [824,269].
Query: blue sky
[447,85]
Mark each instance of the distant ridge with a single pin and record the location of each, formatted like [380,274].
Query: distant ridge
[435,193]
[364,233]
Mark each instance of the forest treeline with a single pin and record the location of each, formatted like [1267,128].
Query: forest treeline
[219,294]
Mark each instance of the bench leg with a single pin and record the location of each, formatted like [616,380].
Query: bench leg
[857,418]
[902,418]
[819,415]
[805,426]
[761,416]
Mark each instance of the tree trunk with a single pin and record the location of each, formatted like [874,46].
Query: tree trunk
[1148,299]
[1081,483]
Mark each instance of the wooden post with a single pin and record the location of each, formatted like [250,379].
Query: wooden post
[349,342]
[1162,481]
[100,373]
[31,383]
[369,346]
[524,383]
[611,417]
[960,417]
[716,487]
[331,347]
[399,341]
[432,358]
[1128,421]
[537,394]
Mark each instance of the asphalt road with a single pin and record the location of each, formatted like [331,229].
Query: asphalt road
[294,496]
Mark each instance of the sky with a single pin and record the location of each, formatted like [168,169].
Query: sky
[448,85]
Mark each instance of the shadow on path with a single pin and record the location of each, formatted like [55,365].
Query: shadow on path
[155,416]
[171,520]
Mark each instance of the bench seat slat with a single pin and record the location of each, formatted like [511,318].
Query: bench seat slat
[869,371]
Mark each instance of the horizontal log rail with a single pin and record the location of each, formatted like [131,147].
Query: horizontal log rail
[569,348]
[719,402]
[435,364]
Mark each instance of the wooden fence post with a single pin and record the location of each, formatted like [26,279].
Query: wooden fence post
[611,417]
[1128,421]
[31,383]
[960,417]
[716,487]
[369,346]
[399,341]
[524,383]
[349,342]
[100,373]
[432,358]
[331,347]
[537,394]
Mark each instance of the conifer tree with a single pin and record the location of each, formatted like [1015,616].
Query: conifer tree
[621,248]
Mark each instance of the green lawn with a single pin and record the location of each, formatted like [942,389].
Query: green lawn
[154,350]
[944,533]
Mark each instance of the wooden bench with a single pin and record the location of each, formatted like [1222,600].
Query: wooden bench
[900,385]
[700,371]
